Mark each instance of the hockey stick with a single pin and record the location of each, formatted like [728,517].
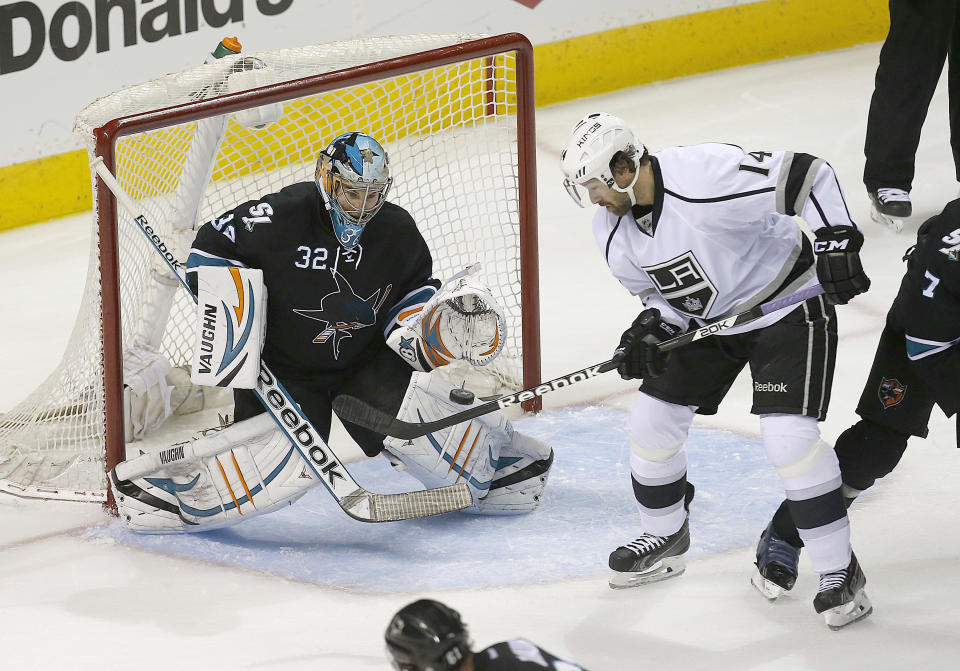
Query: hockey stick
[356,501]
[359,412]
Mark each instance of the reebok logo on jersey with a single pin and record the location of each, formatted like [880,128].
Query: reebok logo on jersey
[780,387]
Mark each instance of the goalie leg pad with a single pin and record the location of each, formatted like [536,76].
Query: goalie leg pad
[520,478]
[467,452]
[228,481]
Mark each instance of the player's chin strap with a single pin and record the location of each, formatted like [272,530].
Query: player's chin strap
[359,412]
[317,455]
[629,188]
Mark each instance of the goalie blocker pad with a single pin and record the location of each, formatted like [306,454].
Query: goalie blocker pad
[505,469]
[231,319]
[219,478]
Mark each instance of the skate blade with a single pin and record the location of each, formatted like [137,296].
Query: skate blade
[894,223]
[769,589]
[671,567]
[841,616]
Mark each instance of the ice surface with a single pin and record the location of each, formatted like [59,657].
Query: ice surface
[310,589]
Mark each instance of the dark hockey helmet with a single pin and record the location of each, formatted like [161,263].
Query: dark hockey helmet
[353,176]
[426,635]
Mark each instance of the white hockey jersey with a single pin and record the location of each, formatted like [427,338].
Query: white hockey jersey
[722,235]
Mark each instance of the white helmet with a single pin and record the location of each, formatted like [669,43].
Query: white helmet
[588,151]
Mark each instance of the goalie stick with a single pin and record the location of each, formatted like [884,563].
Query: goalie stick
[355,501]
[359,412]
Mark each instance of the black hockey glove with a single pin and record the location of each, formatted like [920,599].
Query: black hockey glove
[638,355]
[838,263]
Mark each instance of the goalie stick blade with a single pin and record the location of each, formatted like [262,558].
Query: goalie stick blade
[367,507]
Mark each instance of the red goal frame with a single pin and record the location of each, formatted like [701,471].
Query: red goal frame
[106,137]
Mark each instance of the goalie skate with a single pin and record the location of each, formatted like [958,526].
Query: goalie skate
[650,559]
[776,564]
[841,597]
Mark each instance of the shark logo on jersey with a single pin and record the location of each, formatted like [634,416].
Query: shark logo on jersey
[684,284]
[343,311]
[891,392]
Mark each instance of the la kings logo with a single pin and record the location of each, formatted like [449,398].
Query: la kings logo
[684,285]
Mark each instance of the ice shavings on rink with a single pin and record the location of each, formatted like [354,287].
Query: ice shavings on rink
[588,510]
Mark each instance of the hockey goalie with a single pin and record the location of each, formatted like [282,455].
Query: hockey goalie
[332,286]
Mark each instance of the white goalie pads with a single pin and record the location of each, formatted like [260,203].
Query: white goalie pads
[231,321]
[505,469]
[463,320]
[215,480]
[152,391]
[146,392]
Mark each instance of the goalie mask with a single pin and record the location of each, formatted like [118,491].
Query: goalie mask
[353,176]
[592,144]
[426,635]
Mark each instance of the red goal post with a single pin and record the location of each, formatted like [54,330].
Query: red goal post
[456,114]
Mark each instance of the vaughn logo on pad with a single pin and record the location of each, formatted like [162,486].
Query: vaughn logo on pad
[231,317]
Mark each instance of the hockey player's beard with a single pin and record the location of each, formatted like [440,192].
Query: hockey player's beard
[617,207]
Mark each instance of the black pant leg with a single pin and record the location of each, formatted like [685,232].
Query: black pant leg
[381,381]
[953,84]
[911,61]
[314,402]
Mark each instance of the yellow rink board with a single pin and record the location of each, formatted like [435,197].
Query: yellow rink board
[58,186]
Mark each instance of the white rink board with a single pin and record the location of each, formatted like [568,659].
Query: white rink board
[105,57]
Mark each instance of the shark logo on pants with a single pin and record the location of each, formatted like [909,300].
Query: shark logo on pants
[891,392]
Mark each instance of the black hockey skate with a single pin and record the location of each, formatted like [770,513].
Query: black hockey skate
[890,207]
[776,564]
[650,559]
[841,597]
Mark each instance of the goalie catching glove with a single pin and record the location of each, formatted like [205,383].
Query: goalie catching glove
[463,320]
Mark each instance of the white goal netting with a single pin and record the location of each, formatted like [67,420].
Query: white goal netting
[452,133]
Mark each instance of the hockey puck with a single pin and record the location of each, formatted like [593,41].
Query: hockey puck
[461,396]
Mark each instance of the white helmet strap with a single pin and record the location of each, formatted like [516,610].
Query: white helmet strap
[629,188]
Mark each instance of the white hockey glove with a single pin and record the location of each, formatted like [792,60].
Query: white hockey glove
[463,320]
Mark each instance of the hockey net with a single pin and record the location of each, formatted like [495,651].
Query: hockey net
[455,113]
